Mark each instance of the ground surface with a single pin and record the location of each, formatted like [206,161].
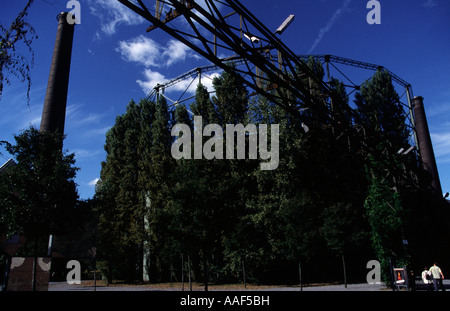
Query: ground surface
[100,286]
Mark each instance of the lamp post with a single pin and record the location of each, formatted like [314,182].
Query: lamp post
[285,24]
[288,21]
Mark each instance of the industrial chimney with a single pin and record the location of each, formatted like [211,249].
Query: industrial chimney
[54,111]
[425,146]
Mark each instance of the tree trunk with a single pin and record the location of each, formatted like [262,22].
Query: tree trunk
[205,271]
[110,274]
[34,264]
[345,272]
[243,273]
[300,275]
[182,272]
[189,271]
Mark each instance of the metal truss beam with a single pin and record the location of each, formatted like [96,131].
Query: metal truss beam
[221,27]
[226,27]
[331,59]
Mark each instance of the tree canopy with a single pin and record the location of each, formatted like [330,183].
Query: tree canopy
[338,190]
[38,194]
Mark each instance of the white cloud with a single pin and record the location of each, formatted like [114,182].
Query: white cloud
[140,50]
[187,85]
[145,51]
[148,53]
[190,86]
[329,25]
[175,51]
[152,79]
[112,14]
[94,182]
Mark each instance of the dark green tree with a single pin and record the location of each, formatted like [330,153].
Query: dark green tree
[128,197]
[38,192]
[381,112]
[119,203]
[202,106]
[231,99]
[385,131]
[386,216]
[204,204]
[147,109]
[158,214]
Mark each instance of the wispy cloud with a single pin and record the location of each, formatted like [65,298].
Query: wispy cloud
[85,153]
[13,103]
[441,146]
[112,14]
[439,109]
[77,116]
[429,3]
[330,24]
[86,124]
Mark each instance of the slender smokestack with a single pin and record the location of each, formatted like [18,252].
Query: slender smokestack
[54,111]
[425,146]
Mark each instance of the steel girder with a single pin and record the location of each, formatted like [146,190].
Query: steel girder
[229,26]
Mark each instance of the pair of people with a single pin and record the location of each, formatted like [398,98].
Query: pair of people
[433,276]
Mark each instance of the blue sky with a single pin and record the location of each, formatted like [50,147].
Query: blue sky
[114,60]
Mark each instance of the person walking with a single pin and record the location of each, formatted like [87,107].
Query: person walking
[426,279]
[438,276]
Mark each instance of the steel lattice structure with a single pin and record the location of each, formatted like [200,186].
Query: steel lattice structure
[285,79]
[329,62]
[226,27]
[236,31]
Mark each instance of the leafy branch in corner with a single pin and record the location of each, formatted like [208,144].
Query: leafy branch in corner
[12,62]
